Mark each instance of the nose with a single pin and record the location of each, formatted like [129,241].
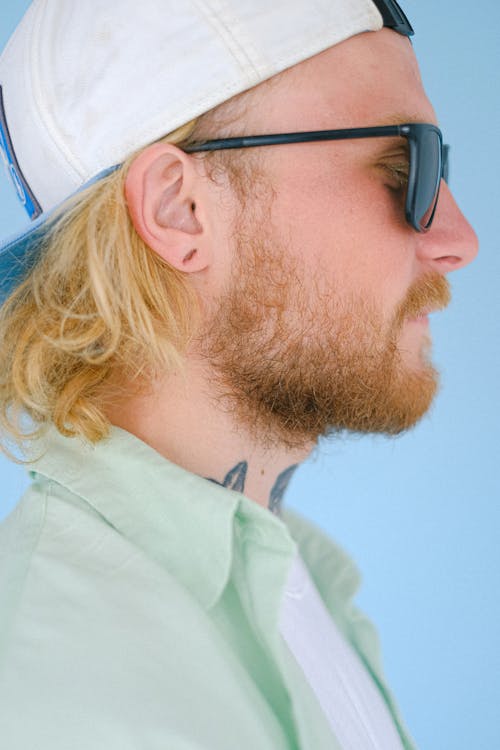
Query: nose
[451,243]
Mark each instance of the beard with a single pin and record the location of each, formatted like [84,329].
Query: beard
[293,364]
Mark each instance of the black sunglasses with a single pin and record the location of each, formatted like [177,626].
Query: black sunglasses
[428,159]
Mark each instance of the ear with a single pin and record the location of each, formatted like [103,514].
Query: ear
[164,194]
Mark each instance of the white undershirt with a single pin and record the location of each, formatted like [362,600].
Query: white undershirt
[353,705]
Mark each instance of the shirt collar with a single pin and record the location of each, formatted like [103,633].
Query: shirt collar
[183,521]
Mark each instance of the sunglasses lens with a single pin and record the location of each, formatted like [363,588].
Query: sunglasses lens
[428,177]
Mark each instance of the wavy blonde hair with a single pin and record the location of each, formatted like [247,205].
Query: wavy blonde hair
[100,315]
[97,304]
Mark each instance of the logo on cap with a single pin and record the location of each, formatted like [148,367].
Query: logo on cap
[8,155]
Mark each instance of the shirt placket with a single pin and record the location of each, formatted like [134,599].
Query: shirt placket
[263,558]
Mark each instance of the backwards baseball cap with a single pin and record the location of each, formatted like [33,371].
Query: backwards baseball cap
[85,84]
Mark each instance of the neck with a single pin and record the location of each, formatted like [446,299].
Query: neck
[184,422]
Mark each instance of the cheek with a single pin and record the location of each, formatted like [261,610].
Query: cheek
[349,232]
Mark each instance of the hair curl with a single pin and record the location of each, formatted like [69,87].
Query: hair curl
[99,314]
[97,303]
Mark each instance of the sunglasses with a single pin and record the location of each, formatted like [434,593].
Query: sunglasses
[428,159]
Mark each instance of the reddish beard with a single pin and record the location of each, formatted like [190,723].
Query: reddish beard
[292,370]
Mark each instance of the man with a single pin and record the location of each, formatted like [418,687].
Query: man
[179,334]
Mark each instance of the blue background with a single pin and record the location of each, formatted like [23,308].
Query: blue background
[420,514]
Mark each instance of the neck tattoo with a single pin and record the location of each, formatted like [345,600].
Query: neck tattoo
[235,480]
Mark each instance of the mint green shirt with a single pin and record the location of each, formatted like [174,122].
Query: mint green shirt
[139,610]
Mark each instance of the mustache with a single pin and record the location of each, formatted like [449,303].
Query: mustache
[431,292]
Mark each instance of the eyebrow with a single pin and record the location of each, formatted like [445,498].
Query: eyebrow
[390,144]
[385,145]
[394,145]
[404,119]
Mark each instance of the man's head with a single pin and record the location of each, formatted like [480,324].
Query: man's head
[316,288]
[313,287]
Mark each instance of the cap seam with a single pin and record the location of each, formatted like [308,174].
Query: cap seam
[199,106]
[231,42]
[308,50]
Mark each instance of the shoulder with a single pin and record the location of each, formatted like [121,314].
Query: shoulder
[69,577]
[101,647]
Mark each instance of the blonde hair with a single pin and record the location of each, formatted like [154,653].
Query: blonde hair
[97,303]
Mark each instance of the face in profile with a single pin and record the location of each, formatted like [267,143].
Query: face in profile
[323,325]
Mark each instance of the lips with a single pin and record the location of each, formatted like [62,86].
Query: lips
[429,294]
[423,319]
[424,314]
[428,311]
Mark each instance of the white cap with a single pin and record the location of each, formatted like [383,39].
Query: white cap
[84,84]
